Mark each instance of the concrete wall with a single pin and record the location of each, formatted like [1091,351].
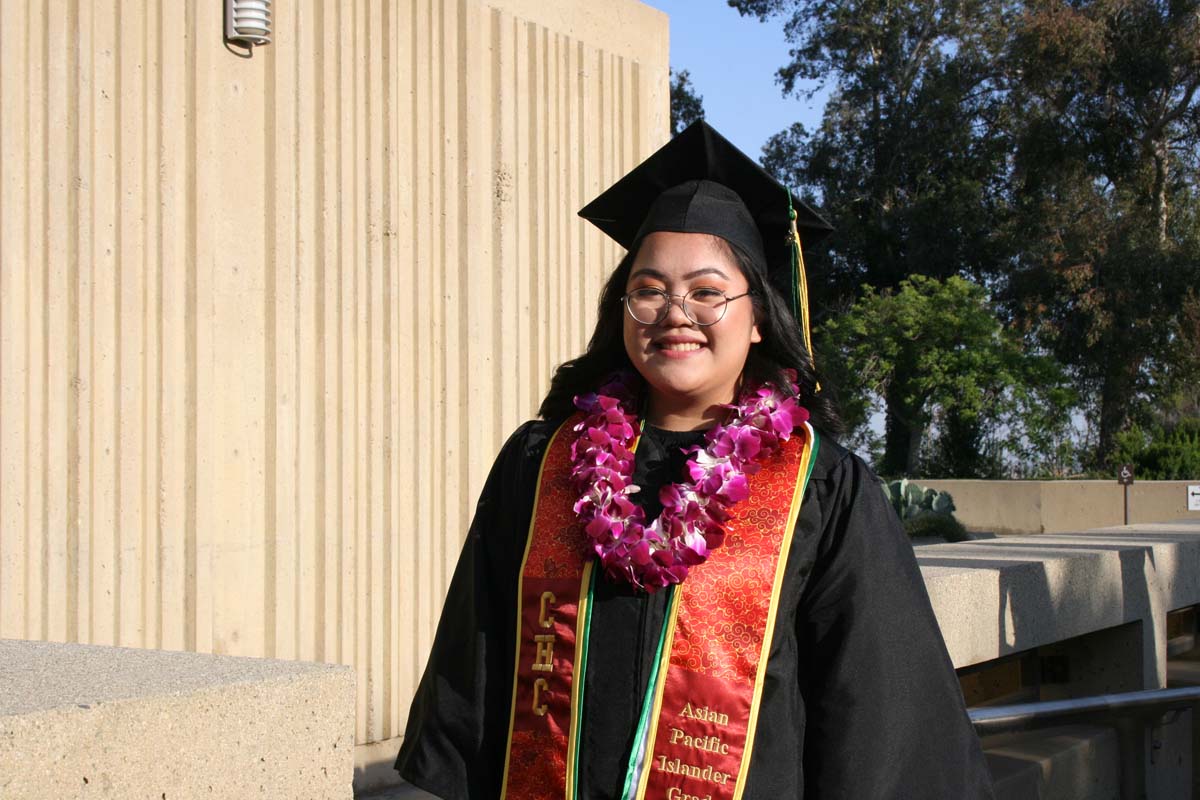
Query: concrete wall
[82,721]
[1017,507]
[264,322]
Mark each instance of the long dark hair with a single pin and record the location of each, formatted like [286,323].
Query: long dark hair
[781,348]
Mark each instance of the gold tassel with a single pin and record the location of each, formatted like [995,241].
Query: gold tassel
[800,288]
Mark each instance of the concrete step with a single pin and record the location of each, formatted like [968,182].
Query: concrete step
[80,721]
[1075,762]
[402,792]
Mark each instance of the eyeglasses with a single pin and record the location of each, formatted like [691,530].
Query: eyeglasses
[704,305]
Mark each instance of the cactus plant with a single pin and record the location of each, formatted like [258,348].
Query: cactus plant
[912,502]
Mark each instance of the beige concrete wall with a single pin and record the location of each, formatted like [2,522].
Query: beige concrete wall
[264,322]
[1016,507]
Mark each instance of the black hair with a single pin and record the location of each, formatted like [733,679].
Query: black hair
[781,348]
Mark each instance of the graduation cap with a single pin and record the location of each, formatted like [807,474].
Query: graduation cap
[700,183]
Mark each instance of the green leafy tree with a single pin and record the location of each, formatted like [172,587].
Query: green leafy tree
[1105,224]
[911,141]
[938,354]
[686,105]
[1050,148]
[909,158]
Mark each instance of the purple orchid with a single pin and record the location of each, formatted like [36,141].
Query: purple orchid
[695,513]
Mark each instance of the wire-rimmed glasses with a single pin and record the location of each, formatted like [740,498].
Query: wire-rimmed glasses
[703,305]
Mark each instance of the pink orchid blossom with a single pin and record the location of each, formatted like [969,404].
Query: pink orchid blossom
[693,522]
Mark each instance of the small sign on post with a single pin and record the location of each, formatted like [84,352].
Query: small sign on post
[1193,497]
[1125,478]
[1125,475]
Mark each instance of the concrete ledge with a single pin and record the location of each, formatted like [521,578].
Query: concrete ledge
[1000,596]
[80,721]
[1093,607]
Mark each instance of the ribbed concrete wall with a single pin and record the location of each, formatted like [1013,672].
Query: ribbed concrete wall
[264,322]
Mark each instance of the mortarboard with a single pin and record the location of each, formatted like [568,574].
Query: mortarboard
[700,183]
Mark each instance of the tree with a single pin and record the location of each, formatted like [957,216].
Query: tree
[910,144]
[686,105]
[1105,224]
[1049,148]
[1161,453]
[909,158]
[944,362]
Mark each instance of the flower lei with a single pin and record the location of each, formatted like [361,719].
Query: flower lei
[692,523]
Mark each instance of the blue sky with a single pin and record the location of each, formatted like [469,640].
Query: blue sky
[732,61]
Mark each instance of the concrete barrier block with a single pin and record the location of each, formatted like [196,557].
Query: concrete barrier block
[81,721]
[1000,596]
[1075,762]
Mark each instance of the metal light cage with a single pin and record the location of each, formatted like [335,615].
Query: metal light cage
[248,22]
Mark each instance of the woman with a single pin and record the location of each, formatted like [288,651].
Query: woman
[674,586]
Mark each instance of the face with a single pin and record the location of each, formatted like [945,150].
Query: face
[687,366]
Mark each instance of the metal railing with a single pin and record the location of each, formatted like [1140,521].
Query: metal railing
[1130,714]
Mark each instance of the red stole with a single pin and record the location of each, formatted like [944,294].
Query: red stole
[719,629]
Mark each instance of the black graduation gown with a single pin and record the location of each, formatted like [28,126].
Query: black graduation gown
[860,699]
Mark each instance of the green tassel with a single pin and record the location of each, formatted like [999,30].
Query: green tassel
[800,286]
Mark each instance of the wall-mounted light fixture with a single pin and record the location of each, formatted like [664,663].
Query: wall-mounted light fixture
[248,22]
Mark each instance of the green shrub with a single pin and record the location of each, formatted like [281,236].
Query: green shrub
[943,526]
[1161,454]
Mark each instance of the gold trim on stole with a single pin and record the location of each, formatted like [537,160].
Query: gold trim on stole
[769,635]
[537,496]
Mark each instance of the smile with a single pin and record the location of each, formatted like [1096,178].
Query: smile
[679,347]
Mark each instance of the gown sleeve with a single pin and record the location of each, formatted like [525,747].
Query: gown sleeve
[455,740]
[886,718]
